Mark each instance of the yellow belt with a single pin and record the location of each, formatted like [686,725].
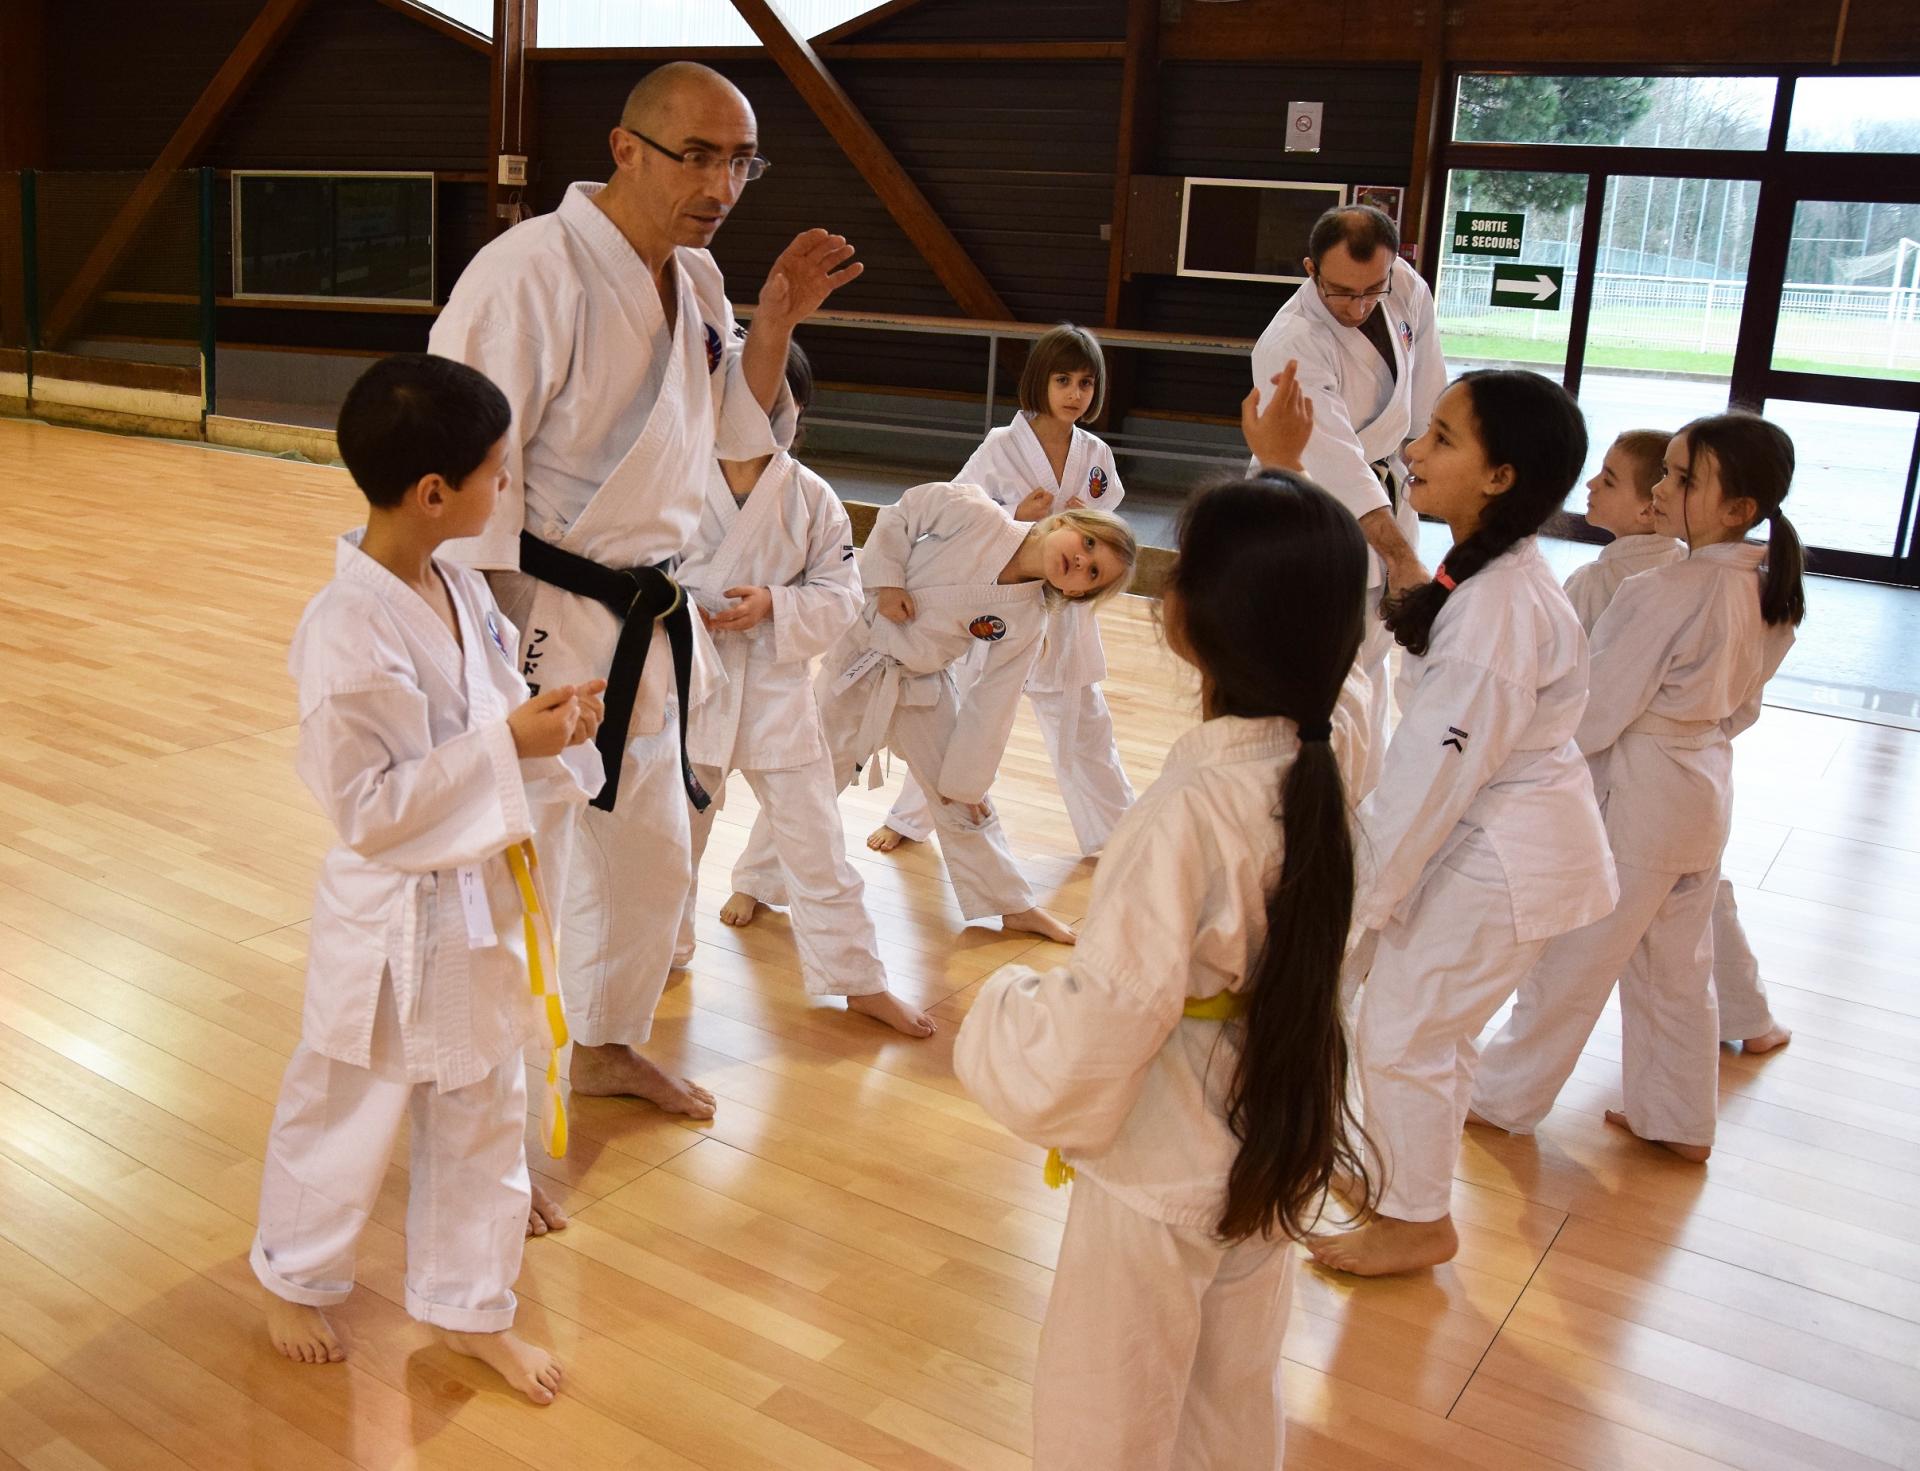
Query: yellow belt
[525,863]
[1221,1007]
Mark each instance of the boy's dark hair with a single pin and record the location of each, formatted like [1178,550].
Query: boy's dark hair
[1363,229]
[1531,424]
[1065,349]
[1278,552]
[413,415]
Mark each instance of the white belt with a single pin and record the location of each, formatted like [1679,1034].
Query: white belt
[1688,735]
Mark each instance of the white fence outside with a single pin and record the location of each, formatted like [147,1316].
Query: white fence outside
[1862,326]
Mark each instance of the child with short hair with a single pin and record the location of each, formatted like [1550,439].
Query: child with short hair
[1040,464]
[1680,659]
[1620,501]
[772,571]
[419,741]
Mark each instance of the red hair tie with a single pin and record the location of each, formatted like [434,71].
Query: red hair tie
[1440,576]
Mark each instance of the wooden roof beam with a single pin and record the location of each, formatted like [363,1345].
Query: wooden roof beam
[875,161]
[446,25]
[243,64]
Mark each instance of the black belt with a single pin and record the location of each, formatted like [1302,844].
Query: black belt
[639,597]
[1383,472]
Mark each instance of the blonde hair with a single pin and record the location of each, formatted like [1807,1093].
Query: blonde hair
[1113,534]
[1062,350]
[1646,450]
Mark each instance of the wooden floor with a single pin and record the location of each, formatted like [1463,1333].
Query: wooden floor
[848,1266]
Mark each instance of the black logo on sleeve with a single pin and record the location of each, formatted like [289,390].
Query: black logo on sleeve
[1457,738]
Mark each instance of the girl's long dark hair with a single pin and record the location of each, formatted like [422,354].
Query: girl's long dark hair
[1270,585]
[1531,424]
[1755,459]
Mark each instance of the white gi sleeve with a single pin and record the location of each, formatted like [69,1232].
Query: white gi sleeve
[883,560]
[1427,361]
[1628,657]
[1059,1056]
[1458,730]
[987,468]
[809,617]
[742,429]
[1333,459]
[1586,590]
[366,753]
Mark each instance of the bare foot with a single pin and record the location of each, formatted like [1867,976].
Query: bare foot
[1692,1153]
[533,1371]
[1386,1245]
[545,1214]
[1037,921]
[614,1070]
[1774,1036]
[884,1006]
[302,1333]
[884,839]
[739,910]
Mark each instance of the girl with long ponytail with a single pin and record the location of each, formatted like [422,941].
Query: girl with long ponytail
[1482,839]
[1189,1063]
[1680,657]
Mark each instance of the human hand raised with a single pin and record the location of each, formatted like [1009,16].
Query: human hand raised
[1277,436]
[812,267]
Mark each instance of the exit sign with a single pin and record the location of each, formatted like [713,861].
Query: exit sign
[1488,234]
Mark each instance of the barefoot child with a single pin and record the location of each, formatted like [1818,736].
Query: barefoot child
[1190,1058]
[946,571]
[772,570]
[1038,465]
[1680,658]
[1482,839]
[1620,500]
[419,741]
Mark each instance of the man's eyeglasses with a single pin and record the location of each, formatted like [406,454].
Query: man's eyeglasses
[1359,296]
[744,168]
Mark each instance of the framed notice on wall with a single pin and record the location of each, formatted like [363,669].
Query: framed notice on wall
[1388,198]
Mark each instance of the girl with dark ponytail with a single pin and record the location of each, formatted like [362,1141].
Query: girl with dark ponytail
[1680,658]
[1190,1059]
[1482,839]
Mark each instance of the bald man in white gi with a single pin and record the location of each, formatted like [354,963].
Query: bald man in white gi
[1361,329]
[607,325]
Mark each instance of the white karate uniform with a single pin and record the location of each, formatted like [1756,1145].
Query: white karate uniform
[1161,1346]
[1364,413]
[1064,687]
[1742,995]
[1592,587]
[617,419]
[888,685]
[416,1005]
[791,536]
[1481,842]
[1680,658]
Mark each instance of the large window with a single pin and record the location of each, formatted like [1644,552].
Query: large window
[1670,245]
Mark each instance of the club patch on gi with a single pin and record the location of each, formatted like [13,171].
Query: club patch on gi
[1406,335]
[499,638]
[987,628]
[713,347]
[1457,738]
[1096,482]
